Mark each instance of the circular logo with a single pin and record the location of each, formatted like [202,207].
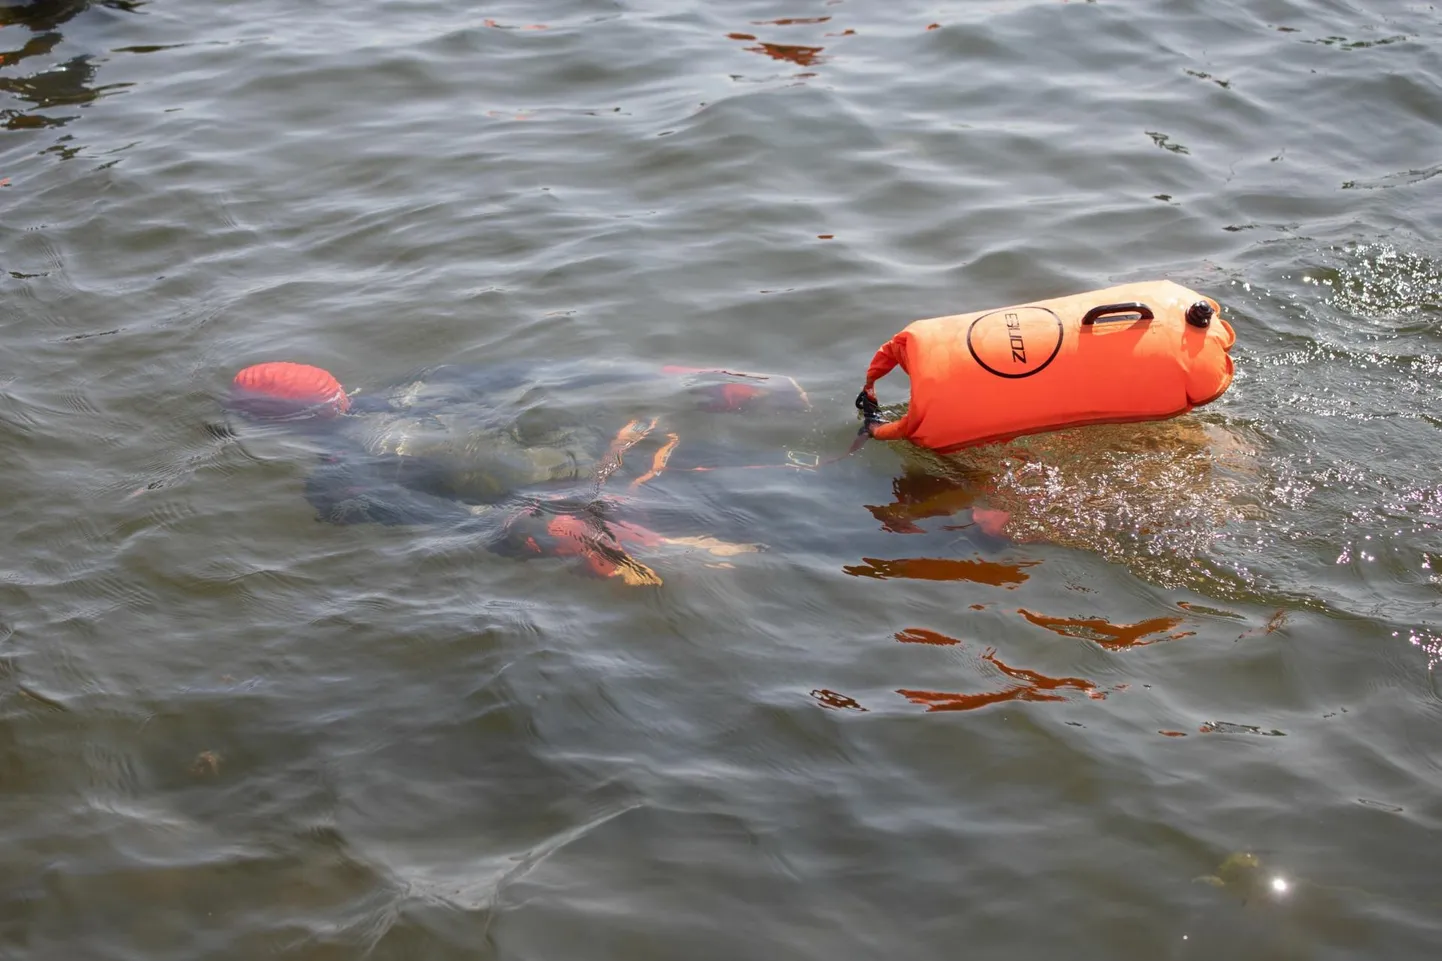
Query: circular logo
[1015,341]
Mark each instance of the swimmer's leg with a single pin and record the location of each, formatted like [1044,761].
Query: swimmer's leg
[629,533]
[605,546]
[600,549]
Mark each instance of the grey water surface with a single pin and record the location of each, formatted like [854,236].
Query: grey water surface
[1184,705]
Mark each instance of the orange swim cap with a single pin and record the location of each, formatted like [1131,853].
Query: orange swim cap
[283,390]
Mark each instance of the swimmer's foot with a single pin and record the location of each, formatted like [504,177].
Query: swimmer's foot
[635,574]
[712,546]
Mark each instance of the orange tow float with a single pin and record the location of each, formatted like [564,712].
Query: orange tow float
[1144,351]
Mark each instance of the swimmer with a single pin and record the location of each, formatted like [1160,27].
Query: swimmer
[455,445]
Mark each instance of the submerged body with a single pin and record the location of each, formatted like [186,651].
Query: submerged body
[442,443]
[533,456]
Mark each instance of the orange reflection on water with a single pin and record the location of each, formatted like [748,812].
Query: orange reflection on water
[504,26]
[918,495]
[1228,727]
[835,701]
[1107,634]
[1214,611]
[801,56]
[920,635]
[1275,623]
[943,569]
[788,21]
[1033,687]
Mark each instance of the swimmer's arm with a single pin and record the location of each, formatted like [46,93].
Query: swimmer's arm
[370,404]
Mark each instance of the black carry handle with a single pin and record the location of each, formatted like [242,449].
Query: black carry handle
[1097,313]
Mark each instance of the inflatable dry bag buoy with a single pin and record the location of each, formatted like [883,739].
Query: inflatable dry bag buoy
[1136,352]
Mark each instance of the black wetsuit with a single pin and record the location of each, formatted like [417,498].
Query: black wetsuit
[452,444]
[501,451]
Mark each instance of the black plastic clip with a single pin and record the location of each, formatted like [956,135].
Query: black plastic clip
[870,409]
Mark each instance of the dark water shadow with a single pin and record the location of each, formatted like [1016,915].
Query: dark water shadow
[41,98]
[1111,636]
[1030,686]
[991,573]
